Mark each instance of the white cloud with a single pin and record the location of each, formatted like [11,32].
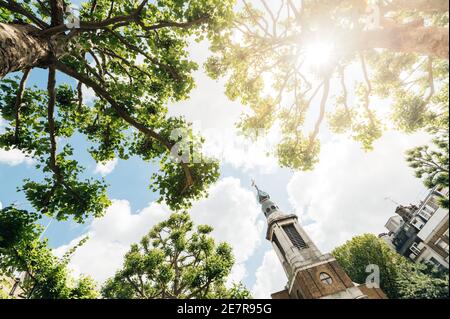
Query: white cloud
[88,94]
[233,212]
[14,157]
[110,238]
[270,277]
[347,191]
[215,117]
[105,168]
[230,209]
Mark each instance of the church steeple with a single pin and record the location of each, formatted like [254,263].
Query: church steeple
[311,274]
[267,205]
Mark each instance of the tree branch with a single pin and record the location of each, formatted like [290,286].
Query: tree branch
[123,113]
[418,5]
[182,25]
[18,104]
[368,89]
[57,12]
[44,7]
[430,80]
[135,286]
[131,46]
[120,21]
[51,122]
[323,103]
[344,90]
[16,8]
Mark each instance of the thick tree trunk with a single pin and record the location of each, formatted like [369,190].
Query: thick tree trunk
[21,49]
[432,41]
[418,5]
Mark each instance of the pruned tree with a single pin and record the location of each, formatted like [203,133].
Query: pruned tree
[133,55]
[175,261]
[290,62]
[399,277]
[23,251]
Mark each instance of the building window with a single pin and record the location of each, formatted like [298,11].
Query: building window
[294,236]
[425,215]
[434,262]
[325,278]
[418,223]
[434,206]
[442,244]
[416,251]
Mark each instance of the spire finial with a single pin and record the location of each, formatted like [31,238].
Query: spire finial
[261,195]
[254,184]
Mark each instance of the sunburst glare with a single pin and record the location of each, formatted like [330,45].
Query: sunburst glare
[318,54]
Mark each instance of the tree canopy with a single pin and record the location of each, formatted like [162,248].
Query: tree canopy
[23,251]
[431,162]
[174,260]
[399,278]
[289,61]
[110,47]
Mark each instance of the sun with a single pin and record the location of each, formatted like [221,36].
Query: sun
[318,54]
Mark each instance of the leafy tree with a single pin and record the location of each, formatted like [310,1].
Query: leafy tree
[175,261]
[22,250]
[112,46]
[289,61]
[432,163]
[399,278]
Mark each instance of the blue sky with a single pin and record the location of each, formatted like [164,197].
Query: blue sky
[344,196]
[129,180]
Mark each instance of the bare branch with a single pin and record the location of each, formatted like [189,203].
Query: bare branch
[18,104]
[94,6]
[51,122]
[80,94]
[323,103]
[294,9]
[274,20]
[430,80]
[344,90]
[57,13]
[44,7]
[255,19]
[368,90]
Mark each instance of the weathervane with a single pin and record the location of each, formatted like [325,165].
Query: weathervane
[254,184]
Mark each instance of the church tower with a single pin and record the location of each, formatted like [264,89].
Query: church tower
[311,274]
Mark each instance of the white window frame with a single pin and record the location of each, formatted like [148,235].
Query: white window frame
[415,250]
[442,244]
